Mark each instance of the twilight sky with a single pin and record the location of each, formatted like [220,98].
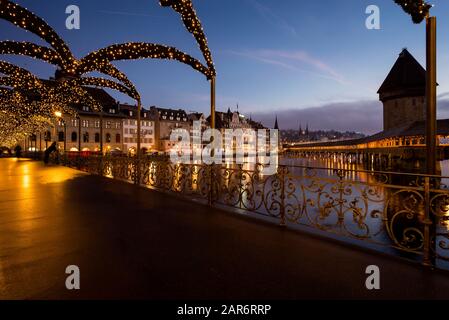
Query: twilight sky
[306,61]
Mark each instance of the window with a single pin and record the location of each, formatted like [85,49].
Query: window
[130,113]
[150,131]
[108,124]
[85,108]
[150,140]
[117,125]
[111,110]
[97,123]
[97,137]
[108,138]
[74,137]
[126,131]
[47,136]
[61,136]
[74,122]
[85,123]
[86,137]
[117,138]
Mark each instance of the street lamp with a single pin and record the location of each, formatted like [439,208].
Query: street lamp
[58,115]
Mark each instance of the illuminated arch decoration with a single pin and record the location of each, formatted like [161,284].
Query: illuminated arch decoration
[53,95]
[418,9]
[60,55]
[104,83]
[139,50]
[193,25]
[25,19]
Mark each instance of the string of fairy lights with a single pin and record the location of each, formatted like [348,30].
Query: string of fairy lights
[139,50]
[418,9]
[193,25]
[29,103]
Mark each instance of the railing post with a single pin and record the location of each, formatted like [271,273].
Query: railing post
[282,209]
[137,168]
[211,185]
[427,253]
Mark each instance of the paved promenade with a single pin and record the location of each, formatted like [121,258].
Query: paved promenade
[130,242]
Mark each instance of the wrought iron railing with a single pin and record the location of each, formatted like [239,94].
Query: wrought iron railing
[404,213]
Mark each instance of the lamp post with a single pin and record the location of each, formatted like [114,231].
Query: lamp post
[101,131]
[212,103]
[58,115]
[139,109]
[79,134]
[431,94]
[419,10]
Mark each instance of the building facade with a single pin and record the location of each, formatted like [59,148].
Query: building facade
[147,129]
[165,121]
[90,130]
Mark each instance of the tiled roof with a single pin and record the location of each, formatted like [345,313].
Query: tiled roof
[170,114]
[126,109]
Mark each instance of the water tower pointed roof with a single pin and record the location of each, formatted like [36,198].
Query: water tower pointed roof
[406,78]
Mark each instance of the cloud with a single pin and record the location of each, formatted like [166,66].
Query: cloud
[364,116]
[293,60]
[268,15]
[360,116]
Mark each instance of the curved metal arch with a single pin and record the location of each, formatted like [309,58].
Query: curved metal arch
[31,50]
[27,20]
[105,83]
[139,50]
[193,25]
[50,56]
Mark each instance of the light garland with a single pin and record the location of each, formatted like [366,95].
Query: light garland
[60,56]
[139,50]
[193,24]
[24,19]
[418,9]
[15,103]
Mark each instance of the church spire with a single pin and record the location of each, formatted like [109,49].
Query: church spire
[276,125]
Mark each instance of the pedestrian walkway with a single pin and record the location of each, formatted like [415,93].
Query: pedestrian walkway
[131,242]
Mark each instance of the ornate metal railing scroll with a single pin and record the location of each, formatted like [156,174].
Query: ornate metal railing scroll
[406,213]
